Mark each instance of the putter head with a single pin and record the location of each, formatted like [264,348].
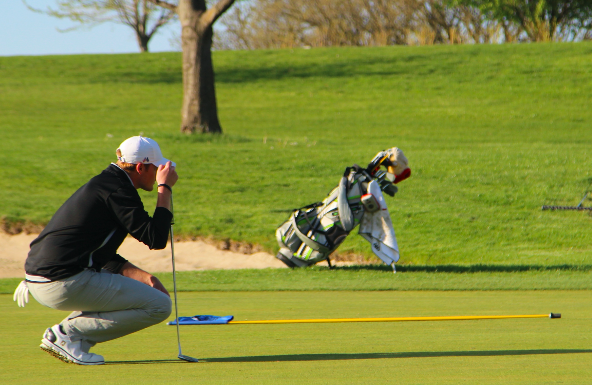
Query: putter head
[187,358]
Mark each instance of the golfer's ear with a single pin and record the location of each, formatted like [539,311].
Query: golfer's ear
[139,167]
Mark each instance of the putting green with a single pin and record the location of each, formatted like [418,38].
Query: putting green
[484,352]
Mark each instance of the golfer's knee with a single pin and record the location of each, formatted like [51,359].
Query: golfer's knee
[161,308]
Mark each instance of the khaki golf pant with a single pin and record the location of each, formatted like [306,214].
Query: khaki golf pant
[106,306]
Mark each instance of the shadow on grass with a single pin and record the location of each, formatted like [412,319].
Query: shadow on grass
[479,268]
[367,356]
[146,362]
[279,66]
[359,356]
[267,71]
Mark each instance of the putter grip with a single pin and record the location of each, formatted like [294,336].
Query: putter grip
[555,315]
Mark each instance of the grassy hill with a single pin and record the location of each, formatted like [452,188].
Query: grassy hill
[492,133]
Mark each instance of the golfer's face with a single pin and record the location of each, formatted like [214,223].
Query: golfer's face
[148,177]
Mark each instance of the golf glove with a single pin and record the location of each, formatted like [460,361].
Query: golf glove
[21,294]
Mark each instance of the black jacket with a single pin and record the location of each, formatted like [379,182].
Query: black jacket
[91,225]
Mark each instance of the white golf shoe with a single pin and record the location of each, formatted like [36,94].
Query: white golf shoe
[62,347]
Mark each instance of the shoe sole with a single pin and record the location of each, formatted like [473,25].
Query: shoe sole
[57,355]
[55,351]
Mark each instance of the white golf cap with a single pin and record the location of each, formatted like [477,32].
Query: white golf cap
[138,149]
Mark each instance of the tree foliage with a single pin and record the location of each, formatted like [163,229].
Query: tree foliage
[289,23]
[541,20]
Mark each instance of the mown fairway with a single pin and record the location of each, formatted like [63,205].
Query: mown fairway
[523,351]
[492,134]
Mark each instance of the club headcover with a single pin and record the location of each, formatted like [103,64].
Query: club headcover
[398,164]
[402,176]
[398,160]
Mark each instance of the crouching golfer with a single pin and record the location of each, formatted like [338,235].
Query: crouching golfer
[73,265]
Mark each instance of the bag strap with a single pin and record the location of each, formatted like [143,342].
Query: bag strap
[345,214]
[309,242]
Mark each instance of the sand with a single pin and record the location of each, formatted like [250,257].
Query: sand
[189,255]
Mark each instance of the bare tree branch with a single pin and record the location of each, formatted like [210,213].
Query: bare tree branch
[164,18]
[136,14]
[212,14]
[164,4]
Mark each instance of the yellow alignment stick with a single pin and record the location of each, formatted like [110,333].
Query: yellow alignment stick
[399,319]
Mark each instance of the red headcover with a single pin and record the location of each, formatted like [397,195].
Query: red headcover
[402,176]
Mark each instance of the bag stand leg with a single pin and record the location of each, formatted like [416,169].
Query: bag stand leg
[329,263]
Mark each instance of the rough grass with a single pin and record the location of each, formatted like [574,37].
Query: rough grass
[492,134]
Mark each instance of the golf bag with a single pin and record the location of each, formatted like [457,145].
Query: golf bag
[313,232]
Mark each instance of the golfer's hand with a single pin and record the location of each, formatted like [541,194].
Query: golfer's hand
[155,283]
[134,272]
[166,174]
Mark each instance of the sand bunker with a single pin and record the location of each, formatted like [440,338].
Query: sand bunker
[189,255]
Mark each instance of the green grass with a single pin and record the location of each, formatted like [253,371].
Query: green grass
[377,278]
[521,351]
[492,133]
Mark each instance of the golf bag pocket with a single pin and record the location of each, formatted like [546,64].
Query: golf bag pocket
[287,237]
[370,203]
[301,238]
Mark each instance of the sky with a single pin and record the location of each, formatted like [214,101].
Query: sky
[24,32]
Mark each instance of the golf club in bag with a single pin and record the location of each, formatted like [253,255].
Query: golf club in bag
[181,356]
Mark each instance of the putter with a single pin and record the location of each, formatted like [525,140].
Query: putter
[181,356]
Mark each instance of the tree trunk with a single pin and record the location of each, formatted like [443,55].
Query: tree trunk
[199,111]
[142,42]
